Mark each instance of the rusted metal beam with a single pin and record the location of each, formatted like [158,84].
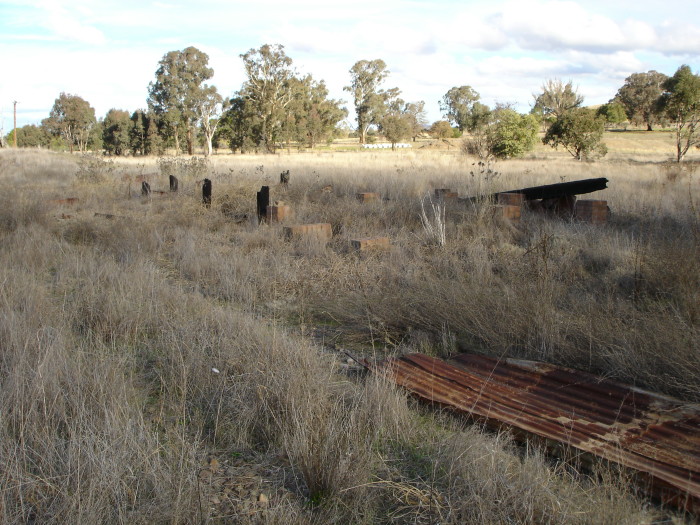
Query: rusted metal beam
[656,435]
[563,189]
[551,191]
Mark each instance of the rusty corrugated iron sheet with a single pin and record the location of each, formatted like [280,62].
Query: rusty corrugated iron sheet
[656,435]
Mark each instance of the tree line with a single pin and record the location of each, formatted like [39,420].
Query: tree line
[276,107]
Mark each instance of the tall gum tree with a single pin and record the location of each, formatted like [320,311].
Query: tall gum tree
[461,107]
[209,111]
[366,77]
[557,98]
[402,120]
[179,92]
[639,95]
[267,89]
[73,118]
[239,126]
[681,102]
[116,132]
[312,116]
[418,117]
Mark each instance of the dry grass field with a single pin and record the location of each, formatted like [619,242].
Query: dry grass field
[168,363]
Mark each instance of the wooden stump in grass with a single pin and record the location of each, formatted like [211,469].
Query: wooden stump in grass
[206,193]
[368,197]
[367,244]
[263,201]
[284,178]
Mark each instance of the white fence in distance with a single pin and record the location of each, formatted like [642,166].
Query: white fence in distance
[386,146]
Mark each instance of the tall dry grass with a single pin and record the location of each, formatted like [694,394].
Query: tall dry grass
[138,347]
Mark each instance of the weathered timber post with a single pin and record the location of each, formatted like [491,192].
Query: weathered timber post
[284,178]
[445,194]
[14,129]
[173,183]
[263,198]
[145,189]
[206,193]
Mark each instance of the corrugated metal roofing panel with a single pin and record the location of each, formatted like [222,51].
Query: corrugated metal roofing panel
[657,435]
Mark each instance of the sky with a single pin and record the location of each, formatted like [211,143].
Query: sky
[108,52]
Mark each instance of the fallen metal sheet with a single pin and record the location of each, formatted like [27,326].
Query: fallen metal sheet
[656,435]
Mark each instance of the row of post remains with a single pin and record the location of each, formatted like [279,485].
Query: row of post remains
[559,199]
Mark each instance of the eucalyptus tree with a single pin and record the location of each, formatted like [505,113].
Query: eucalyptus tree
[144,137]
[137,134]
[441,129]
[267,89]
[72,118]
[396,127]
[502,133]
[613,112]
[417,116]
[116,132]
[461,107]
[209,111]
[179,91]
[557,98]
[681,103]
[639,95]
[369,99]
[239,126]
[402,120]
[312,117]
[29,136]
[580,131]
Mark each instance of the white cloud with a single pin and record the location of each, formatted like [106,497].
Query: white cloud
[680,38]
[551,25]
[108,52]
[510,67]
[464,31]
[106,79]
[69,24]
[555,25]
[609,66]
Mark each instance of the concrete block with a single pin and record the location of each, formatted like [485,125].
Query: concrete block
[70,201]
[279,213]
[375,243]
[367,197]
[507,211]
[321,231]
[445,194]
[595,212]
[510,199]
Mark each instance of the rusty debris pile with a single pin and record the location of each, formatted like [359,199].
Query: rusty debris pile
[655,435]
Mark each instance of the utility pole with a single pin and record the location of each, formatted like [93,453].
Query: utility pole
[14,133]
